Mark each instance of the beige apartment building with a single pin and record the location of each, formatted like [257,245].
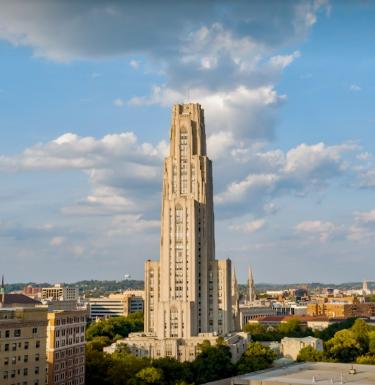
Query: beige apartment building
[188,293]
[60,292]
[66,347]
[23,335]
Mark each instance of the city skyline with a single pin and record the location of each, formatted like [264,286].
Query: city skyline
[84,128]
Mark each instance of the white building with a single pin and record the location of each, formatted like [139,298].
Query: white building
[290,347]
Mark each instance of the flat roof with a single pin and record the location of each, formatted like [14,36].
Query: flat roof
[320,373]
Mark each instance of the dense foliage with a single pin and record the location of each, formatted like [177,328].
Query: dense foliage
[114,328]
[212,363]
[356,344]
[256,357]
[291,328]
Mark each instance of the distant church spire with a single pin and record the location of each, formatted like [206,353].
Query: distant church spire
[251,294]
[2,291]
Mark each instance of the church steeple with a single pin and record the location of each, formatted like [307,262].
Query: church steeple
[251,293]
[2,291]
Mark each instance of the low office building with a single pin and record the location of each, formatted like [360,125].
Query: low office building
[321,373]
[60,292]
[342,309]
[23,334]
[66,347]
[117,304]
[248,313]
[290,347]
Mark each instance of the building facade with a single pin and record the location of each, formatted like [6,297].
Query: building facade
[342,310]
[117,304]
[23,346]
[66,347]
[59,292]
[290,347]
[187,292]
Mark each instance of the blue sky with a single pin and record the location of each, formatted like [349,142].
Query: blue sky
[86,91]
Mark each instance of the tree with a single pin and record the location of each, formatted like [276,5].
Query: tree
[124,368]
[122,348]
[150,375]
[212,363]
[98,343]
[371,343]
[173,371]
[116,327]
[256,357]
[343,347]
[97,366]
[309,354]
[330,331]
[368,359]
[361,330]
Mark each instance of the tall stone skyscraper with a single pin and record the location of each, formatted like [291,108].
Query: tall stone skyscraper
[188,296]
[188,292]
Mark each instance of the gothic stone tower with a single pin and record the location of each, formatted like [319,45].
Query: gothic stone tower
[187,292]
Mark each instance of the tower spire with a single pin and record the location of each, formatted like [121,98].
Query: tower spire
[251,286]
[2,291]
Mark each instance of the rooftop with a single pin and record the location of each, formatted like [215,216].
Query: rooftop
[320,373]
[11,299]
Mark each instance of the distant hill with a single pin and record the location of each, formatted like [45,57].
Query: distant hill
[96,288]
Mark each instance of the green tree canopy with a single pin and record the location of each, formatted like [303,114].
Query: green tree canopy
[212,363]
[150,376]
[343,347]
[309,354]
[256,357]
[116,327]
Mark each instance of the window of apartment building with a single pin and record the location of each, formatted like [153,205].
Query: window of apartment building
[5,375]
[26,345]
[37,357]
[14,347]
[37,344]
[17,332]
[25,358]
[14,360]
[25,372]
[36,371]
[7,333]
[6,347]
[6,361]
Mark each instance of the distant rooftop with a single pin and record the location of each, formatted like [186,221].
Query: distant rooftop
[14,299]
[320,373]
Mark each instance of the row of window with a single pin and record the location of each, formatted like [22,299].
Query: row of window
[69,352]
[15,346]
[13,360]
[15,333]
[62,365]
[70,320]
[20,372]
[69,341]
[63,332]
